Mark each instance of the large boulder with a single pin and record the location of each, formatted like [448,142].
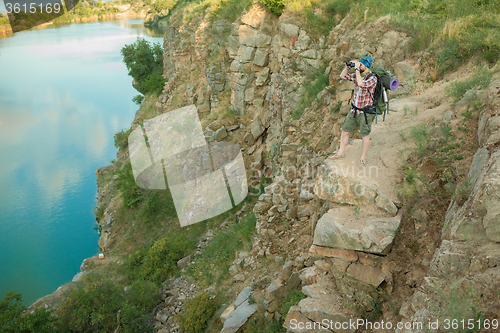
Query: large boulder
[340,182]
[344,228]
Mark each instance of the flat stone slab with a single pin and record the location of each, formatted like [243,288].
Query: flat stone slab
[342,181]
[346,255]
[322,311]
[238,317]
[243,296]
[364,230]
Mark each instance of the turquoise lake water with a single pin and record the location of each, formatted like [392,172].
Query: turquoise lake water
[64,92]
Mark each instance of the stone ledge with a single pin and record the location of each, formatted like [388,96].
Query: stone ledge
[343,228]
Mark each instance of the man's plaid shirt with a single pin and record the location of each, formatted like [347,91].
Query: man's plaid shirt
[363,96]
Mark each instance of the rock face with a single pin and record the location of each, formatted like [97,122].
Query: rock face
[467,264]
[263,67]
[341,228]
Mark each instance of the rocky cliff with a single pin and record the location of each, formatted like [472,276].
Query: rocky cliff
[332,224]
[382,242]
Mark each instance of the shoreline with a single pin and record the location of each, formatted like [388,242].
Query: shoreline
[6,31]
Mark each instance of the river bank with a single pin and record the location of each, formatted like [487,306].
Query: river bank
[124,12]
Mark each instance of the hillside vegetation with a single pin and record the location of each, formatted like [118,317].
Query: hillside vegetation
[452,31]
[125,289]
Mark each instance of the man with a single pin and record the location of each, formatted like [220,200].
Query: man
[363,97]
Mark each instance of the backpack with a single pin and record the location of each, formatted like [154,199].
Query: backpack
[378,100]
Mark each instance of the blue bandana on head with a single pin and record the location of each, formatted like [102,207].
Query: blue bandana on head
[367,61]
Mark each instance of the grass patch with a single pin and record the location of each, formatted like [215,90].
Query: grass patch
[212,265]
[229,10]
[457,89]
[158,262]
[413,245]
[454,30]
[189,11]
[131,193]
[457,303]
[420,134]
[293,298]
[318,17]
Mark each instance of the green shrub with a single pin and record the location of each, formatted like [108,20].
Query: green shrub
[197,311]
[4,20]
[133,319]
[121,138]
[92,306]
[142,60]
[318,17]
[158,262]
[275,6]
[99,212]
[451,55]
[154,84]
[97,302]
[137,99]
[11,321]
[143,294]
[40,321]
[10,308]
[162,7]
[142,297]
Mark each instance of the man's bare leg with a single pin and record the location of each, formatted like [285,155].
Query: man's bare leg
[344,139]
[365,145]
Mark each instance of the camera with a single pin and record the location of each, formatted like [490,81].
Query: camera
[350,64]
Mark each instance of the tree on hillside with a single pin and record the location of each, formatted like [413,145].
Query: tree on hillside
[11,320]
[161,7]
[144,63]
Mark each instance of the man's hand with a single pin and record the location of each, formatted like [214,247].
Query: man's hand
[359,79]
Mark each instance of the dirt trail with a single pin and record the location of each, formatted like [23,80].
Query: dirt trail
[385,159]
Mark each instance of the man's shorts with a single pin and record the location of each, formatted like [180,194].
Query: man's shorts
[351,123]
